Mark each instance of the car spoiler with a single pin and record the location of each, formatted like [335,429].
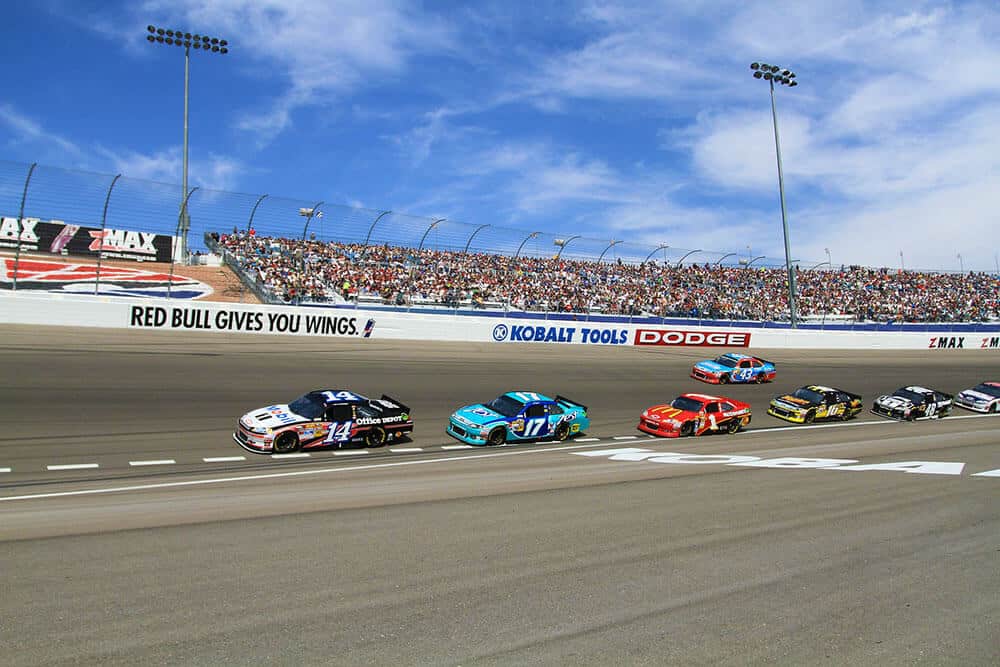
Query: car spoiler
[852,395]
[766,361]
[402,408]
[944,395]
[570,401]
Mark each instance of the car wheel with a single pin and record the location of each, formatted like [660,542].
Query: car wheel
[687,428]
[759,379]
[996,408]
[562,431]
[497,436]
[375,437]
[809,418]
[733,426]
[286,443]
[724,378]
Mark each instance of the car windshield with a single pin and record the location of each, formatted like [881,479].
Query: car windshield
[505,405]
[988,389]
[808,395]
[911,396]
[688,404]
[726,361]
[308,406]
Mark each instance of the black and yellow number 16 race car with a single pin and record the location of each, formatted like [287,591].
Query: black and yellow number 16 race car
[807,404]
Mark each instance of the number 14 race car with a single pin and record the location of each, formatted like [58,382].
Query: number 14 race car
[323,418]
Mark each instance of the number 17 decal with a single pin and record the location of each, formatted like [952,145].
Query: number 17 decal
[533,427]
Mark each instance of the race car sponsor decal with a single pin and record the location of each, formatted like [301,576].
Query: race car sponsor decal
[185,317]
[789,462]
[526,333]
[676,338]
[58,237]
[48,276]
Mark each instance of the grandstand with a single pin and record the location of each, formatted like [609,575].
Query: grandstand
[298,251]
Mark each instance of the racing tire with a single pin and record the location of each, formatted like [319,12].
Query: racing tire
[996,408]
[376,437]
[497,436]
[562,432]
[286,443]
[687,428]
[759,378]
[809,418]
[733,426]
[724,378]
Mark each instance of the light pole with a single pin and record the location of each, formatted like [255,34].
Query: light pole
[828,257]
[961,264]
[772,73]
[308,214]
[199,42]
[902,266]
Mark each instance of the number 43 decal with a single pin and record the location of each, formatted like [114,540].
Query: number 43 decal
[339,432]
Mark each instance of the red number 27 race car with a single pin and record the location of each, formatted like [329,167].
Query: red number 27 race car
[323,418]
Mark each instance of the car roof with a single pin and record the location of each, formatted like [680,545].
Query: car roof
[918,389]
[519,396]
[339,396]
[737,356]
[820,388]
[703,397]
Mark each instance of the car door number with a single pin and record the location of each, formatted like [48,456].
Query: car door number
[743,374]
[339,432]
[533,427]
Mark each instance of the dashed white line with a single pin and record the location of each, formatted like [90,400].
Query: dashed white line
[160,462]
[223,459]
[4,469]
[299,455]
[399,450]
[625,437]
[72,466]
[456,446]
[586,439]
[351,452]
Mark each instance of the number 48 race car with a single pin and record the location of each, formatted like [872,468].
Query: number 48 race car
[323,418]
[913,403]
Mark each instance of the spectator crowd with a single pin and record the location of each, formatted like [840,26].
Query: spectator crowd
[294,270]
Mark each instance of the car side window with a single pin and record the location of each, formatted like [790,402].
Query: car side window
[744,364]
[757,364]
[712,407]
[339,413]
[555,409]
[726,407]
[535,411]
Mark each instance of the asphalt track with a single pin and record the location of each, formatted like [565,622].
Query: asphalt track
[515,555]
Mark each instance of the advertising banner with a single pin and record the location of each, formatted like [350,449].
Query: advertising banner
[675,338]
[61,238]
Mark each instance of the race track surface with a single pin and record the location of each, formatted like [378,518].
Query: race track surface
[601,550]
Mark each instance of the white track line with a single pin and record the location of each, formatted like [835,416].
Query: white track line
[456,447]
[625,437]
[4,469]
[289,473]
[72,466]
[586,439]
[351,452]
[223,459]
[299,455]
[400,450]
[161,462]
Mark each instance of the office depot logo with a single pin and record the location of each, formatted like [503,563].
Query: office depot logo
[692,338]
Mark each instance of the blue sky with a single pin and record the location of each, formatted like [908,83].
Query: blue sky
[635,121]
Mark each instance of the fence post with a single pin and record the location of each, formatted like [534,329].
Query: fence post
[254,212]
[104,223]
[20,217]
[177,231]
[380,215]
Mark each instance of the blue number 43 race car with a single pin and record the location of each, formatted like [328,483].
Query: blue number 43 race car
[518,416]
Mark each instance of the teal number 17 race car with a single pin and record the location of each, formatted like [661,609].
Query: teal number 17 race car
[518,416]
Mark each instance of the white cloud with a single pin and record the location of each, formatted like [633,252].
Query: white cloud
[27,130]
[214,173]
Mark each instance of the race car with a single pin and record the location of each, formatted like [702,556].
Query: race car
[695,414]
[812,402]
[913,403]
[323,418]
[734,367]
[518,416]
[984,397]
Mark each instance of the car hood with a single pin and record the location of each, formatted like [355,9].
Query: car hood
[792,401]
[664,412]
[477,415]
[273,416]
[973,395]
[713,367]
[894,402]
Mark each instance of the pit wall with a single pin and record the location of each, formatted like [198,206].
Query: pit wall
[160,314]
